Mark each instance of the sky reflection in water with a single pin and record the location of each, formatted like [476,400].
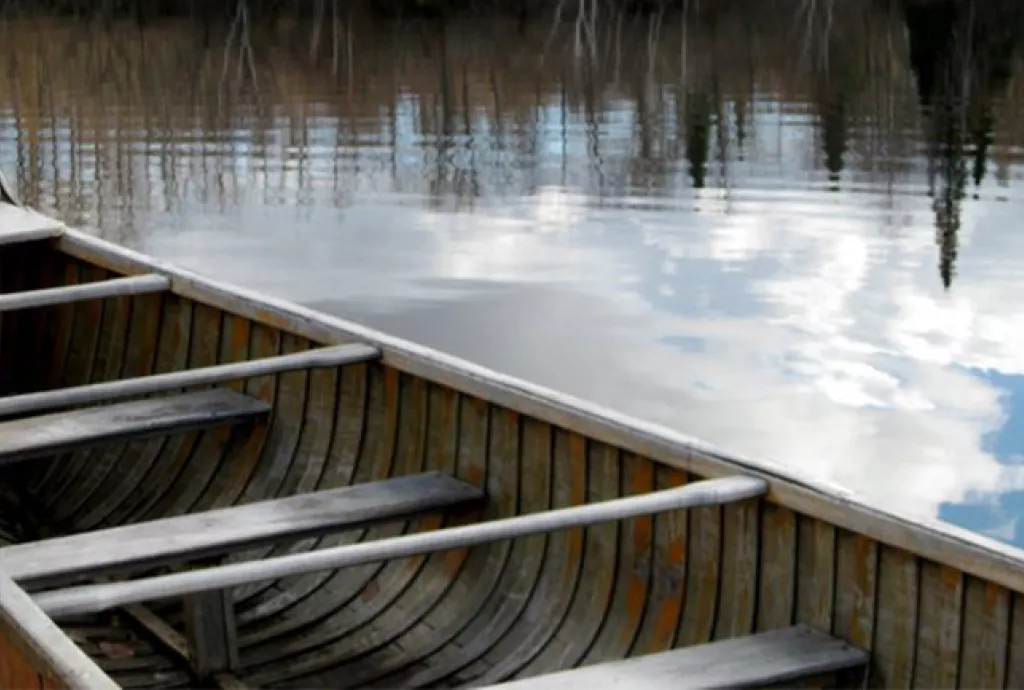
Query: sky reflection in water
[804,249]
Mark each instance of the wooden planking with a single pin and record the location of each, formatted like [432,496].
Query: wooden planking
[559,579]
[937,655]
[621,626]
[198,535]
[430,583]
[454,636]
[986,635]
[304,471]
[133,483]
[776,600]
[137,350]
[896,619]
[737,605]
[236,458]
[75,368]
[62,431]
[365,453]
[278,453]
[670,560]
[178,468]
[111,354]
[703,576]
[856,588]
[90,469]
[419,624]
[1015,657]
[396,598]
[346,599]
[340,462]
[592,598]
[816,572]
[775,657]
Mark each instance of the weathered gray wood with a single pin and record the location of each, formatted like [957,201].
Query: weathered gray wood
[98,289]
[166,636]
[60,432]
[28,234]
[21,619]
[778,656]
[172,641]
[210,627]
[147,544]
[25,225]
[144,385]
[805,493]
[99,597]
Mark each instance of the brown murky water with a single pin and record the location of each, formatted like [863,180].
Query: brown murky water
[791,228]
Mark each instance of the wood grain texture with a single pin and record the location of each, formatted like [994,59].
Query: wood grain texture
[102,289]
[31,437]
[193,536]
[765,659]
[35,653]
[507,610]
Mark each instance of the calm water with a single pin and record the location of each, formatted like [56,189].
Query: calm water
[792,229]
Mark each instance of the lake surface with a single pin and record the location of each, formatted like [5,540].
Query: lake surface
[792,229]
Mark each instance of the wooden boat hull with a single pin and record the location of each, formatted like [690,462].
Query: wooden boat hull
[933,606]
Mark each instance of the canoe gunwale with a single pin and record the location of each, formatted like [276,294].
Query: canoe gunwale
[970,552]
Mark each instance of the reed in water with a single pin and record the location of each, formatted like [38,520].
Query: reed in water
[206,89]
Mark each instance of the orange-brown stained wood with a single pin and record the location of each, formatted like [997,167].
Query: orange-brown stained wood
[856,585]
[1015,658]
[937,655]
[639,536]
[816,563]
[741,524]
[17,672]
[776,599]
[892,664]
[986,635]
[668,572]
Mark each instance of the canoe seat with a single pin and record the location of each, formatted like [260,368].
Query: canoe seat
[60,432]
[186,537]
[784,656]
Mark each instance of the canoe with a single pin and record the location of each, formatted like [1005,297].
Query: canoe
[205,487]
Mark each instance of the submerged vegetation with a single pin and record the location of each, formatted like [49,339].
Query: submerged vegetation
[699,78]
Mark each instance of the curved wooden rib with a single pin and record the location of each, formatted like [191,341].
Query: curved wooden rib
[505,610]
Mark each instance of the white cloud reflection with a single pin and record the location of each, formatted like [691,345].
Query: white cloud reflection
[813,340]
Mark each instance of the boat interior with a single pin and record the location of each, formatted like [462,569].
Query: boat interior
[203,488]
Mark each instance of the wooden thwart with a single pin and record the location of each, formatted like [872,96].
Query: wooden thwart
[769,658]
[99,597]
[112,390]
[204,534]
[60,432]
[117,287]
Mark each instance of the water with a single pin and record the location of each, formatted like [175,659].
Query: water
[789,228]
